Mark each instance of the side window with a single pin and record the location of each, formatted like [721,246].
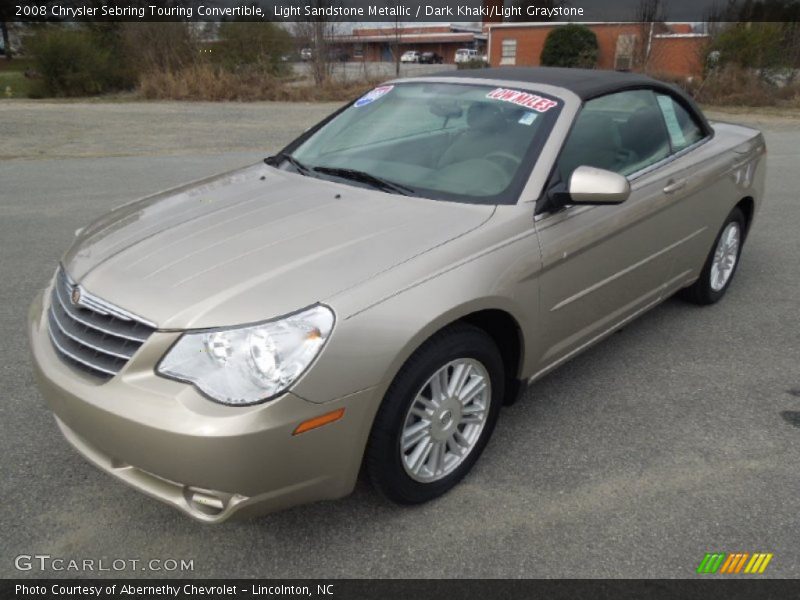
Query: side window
[622,132]
[683,129]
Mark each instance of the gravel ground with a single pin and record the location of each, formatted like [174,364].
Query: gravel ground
[677,436]
[41,130]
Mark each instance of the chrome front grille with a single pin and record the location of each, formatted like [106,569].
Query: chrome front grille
[91,334]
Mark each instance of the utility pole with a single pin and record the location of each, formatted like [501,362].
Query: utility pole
[397,46]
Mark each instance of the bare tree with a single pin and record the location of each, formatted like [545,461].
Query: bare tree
[5,17]
[651,16]
[319,36]
[396,50]
[159,46]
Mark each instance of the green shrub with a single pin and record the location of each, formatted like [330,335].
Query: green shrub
[13,85]
[74,62]
[473,63]
[570,45]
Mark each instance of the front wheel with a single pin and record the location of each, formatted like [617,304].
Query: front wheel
[437,416]
[721,263]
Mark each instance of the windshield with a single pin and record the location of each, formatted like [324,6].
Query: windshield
[468,143]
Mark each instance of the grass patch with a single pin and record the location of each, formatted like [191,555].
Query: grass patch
[758,113]
[17,64]
[733,86]
[14,84]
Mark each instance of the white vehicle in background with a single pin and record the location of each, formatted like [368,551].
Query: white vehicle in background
[412,56]
[464,55]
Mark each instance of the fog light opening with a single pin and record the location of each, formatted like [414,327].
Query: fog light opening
[205,502]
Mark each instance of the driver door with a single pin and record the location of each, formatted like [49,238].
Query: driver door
[603,265]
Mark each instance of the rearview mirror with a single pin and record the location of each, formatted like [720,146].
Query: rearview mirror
[446,110]
[589,185]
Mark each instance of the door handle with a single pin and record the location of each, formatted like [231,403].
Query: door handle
[674,185]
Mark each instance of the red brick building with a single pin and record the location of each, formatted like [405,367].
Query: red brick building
[671,49]
[375,44]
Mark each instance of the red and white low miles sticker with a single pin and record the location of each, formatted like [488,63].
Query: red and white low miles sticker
[525,99]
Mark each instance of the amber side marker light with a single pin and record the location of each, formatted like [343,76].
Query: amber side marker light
[319,421]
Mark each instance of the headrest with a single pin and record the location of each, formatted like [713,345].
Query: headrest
[644,131]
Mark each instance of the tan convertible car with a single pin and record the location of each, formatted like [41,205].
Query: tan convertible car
[370,296]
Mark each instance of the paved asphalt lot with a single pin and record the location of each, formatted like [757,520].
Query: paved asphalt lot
[678,435]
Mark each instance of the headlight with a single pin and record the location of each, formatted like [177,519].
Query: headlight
[248,365]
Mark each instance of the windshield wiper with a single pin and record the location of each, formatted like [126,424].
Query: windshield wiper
[364,177]
[299,167]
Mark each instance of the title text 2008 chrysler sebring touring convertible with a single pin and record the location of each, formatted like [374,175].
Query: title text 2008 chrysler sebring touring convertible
[376,291]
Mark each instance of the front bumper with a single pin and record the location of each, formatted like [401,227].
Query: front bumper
[208,460]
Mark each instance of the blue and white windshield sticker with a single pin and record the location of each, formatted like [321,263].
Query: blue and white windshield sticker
[372,95]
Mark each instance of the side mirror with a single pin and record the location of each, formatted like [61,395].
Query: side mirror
[589,185]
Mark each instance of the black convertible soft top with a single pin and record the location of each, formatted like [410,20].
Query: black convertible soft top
[584,83]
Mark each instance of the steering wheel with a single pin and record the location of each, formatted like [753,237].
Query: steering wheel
[508,161]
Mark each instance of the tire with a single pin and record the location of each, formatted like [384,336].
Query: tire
[462,349]
[709,288]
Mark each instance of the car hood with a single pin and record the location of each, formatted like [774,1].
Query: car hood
[254,244]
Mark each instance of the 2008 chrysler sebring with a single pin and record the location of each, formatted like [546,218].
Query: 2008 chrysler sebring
[376,291]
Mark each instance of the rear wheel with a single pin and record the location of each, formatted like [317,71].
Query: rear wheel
[437,416]
[721,263]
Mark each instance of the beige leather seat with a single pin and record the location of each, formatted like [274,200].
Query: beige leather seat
[485,133]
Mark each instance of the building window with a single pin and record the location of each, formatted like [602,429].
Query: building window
[508,55]
[623,56]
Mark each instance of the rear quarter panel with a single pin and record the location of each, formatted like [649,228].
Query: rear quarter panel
[720,173]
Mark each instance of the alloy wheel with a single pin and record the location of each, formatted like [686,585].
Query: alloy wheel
[725,256]
[445,420]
